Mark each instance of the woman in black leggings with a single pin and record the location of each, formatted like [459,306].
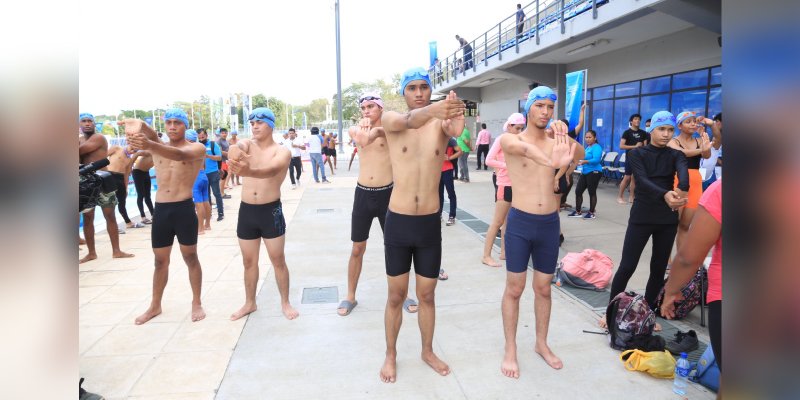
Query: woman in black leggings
[142,162]
[590,176]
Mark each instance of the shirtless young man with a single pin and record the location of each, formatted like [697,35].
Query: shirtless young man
[533,224]
[177,163]
[373,190]
[416,143]
[263,165]
[93,147]
[121,159]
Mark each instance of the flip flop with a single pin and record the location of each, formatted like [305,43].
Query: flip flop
[348,306]
[443,275]
[408,304]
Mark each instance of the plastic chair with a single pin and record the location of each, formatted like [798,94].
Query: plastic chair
[608,164]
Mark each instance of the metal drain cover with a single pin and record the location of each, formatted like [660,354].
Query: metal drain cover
[324,210]
[320,295]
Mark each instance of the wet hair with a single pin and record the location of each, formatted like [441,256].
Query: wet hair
[635,116]
[483,126]
[718,117]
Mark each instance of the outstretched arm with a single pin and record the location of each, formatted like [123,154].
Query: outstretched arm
[448,108]
[365,134]
[703,234]
[515,146]
[141,137]
[491,157]
[241,164]
[579,127]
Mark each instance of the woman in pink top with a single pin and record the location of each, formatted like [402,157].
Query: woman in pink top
[496,160]
[704,233]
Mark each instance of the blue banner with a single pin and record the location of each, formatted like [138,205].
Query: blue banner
[98,126]
[575,98]
[148,120]
[433,52]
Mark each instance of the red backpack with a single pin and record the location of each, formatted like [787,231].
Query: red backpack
[589,269]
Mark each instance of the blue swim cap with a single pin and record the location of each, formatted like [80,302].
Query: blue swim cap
[263,114]
[661,118]
[84,116]
[177,113]
[684,116]
[539,93]
[413,74]
[191,135]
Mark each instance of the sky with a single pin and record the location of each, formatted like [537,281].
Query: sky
[146,54]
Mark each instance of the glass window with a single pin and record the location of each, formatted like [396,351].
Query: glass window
[588,94]
[655,85]
[693,100]
[627,89]
[716,76]
[623,109]
[651,104]
[601,122]
[690,79]
[714,102]
[605,92]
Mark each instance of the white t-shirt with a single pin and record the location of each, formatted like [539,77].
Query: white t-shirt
[709,165]
[314,144]
[297,142]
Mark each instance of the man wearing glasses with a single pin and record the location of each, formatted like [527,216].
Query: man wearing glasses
[263,163]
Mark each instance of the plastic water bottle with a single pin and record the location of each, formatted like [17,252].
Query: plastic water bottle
[681,375]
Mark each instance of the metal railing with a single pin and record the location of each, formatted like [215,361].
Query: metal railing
[540,16]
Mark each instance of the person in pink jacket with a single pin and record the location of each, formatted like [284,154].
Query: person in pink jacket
[495,159]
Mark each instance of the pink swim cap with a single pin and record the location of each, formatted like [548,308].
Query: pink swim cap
[513,119]
[375,98]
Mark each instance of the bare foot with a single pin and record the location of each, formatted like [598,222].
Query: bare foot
[88,257]
[389,370]
[630,200]
[490,262]
[602,322]
[657,327]
[549,357]
[208,227]
[289,312]
[203,232]
[620,200]
[197,313]
[509,367]
[122,254]
[148,315]
[246,309]
[438,365]
[502,257]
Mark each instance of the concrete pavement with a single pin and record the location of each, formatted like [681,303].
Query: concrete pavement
[323,355]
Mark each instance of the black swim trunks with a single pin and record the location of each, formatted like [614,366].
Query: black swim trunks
[258,221]
[417,237]
[369,203]
[174,219]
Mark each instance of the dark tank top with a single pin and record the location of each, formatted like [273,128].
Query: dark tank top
[692,162]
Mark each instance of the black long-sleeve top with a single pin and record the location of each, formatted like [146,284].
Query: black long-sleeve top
[654,170]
